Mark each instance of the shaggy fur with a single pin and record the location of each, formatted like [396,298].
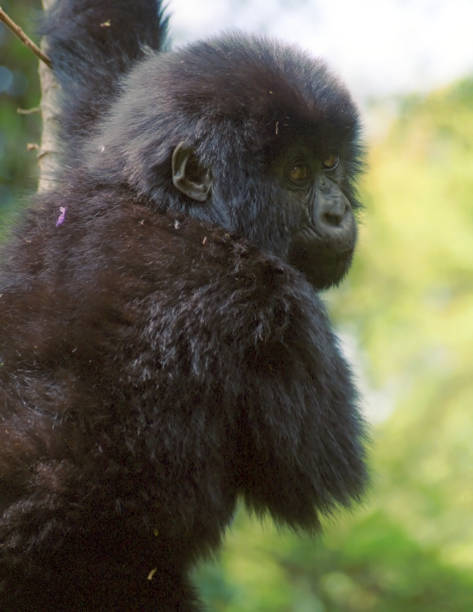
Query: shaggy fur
[158,357]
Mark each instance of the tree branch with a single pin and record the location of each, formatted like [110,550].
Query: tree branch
[23,37]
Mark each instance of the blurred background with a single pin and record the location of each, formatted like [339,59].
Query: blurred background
[405,314]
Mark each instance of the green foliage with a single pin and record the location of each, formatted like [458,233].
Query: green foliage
[19,88]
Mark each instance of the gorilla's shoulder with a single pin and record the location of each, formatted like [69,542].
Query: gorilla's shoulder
[202,257]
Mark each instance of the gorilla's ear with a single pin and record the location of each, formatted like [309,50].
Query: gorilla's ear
[188,176]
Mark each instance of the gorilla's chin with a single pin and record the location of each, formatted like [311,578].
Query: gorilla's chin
[323,262]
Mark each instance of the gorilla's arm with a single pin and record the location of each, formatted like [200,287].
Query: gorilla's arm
[303,445]
[93,44]
[299,431]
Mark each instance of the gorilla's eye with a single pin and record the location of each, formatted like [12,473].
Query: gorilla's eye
[299,172]
[330,162]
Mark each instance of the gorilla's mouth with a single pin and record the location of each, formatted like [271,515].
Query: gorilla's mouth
[337,246]
[323,260]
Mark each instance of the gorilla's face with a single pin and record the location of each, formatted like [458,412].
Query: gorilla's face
[296,208]
[320,217]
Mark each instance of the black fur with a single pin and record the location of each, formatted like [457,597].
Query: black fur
[158,357]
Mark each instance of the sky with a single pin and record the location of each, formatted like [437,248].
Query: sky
[379,47]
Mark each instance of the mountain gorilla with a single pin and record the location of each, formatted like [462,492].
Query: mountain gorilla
[163,349]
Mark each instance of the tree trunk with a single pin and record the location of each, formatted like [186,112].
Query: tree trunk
[48,158]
